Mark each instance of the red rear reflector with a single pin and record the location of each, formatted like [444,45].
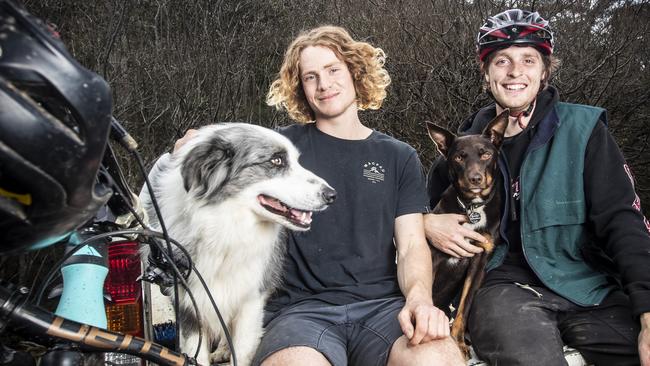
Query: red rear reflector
[124,312]
[123,272]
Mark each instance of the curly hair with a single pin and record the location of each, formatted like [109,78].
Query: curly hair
[365,63]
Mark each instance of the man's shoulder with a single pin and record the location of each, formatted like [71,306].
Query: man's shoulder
[579,107]
[586,114]
[292,128]
[294,131]
[391,142]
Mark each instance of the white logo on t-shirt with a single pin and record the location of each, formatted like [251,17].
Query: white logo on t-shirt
[373,172]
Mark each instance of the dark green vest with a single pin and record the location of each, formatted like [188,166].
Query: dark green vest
[553,208]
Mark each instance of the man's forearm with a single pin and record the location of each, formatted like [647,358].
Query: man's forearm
[414,258]
[415,278]
[414,272]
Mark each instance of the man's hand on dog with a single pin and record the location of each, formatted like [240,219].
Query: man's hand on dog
[422,322]
[446,233]
[189,134]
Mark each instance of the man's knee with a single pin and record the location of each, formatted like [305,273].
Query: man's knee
[497,310]
[495,304]
[440,352]
[503,321]
[296,356]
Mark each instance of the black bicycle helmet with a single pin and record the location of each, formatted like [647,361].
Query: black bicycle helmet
[514,27]
[54,124]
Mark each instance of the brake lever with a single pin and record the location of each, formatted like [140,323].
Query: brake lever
[159,271]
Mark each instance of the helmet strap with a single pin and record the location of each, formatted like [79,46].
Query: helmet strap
[521,114]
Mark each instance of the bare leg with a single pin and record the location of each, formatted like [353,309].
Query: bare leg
[296,356]
[443,352]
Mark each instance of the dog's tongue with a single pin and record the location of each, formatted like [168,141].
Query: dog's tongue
[297,216]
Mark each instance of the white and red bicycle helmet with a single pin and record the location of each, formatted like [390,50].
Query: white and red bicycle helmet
[514,27]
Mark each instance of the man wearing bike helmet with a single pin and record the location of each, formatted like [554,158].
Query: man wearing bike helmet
[573,267]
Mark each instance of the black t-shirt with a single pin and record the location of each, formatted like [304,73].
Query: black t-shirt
[348,254]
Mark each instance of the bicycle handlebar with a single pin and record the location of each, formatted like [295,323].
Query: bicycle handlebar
[42,322]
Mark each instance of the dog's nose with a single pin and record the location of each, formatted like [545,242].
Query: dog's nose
[476,179]
[329,195]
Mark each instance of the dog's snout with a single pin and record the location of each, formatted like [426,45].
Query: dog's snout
[329,194]
[476,179]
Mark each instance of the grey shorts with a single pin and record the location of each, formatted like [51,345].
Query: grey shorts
[360,333]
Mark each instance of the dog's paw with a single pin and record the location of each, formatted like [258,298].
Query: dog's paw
[221,354]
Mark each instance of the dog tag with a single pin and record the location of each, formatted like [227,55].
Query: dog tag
[474,217]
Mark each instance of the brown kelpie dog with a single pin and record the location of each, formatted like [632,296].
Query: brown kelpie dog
[474,192]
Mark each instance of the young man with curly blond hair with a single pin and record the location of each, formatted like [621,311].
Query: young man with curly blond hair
[357,286]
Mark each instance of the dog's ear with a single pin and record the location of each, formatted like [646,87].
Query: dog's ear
[207,166]
[441,136]
[497,128]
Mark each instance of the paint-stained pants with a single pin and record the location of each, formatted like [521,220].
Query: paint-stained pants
[511,325]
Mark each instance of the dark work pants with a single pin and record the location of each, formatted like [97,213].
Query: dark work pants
[510,325]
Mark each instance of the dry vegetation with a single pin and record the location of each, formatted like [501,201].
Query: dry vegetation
[180,64]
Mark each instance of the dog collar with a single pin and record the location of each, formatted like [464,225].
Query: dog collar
[470,209]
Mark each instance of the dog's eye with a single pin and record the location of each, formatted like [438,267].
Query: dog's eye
[458,158]
[486,155]
[277,161]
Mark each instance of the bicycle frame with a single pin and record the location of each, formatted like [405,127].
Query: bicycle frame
[14,309]
[80,318]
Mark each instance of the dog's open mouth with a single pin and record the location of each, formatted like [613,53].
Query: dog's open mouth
[298,217]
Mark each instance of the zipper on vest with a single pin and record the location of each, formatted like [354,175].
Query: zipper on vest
[511,200]
[521,223]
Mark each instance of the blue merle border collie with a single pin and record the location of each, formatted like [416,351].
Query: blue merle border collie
[227,195]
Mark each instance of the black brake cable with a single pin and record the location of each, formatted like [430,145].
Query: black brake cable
[191,266]
[166,237]
[129,144]
[69,254]
[135,232]
[54,272]
[157,234]
[233,357]
[122,136]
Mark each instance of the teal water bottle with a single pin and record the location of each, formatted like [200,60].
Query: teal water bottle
[84,273]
